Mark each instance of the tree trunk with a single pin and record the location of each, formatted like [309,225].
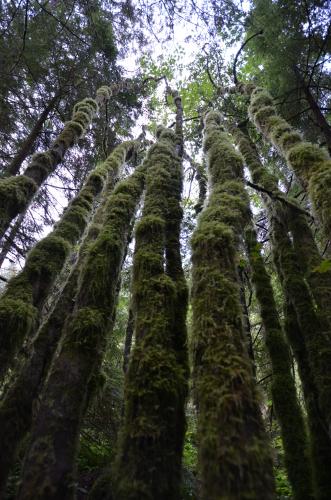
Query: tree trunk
[55,431]
[25,149]
[148,464]
[233,457]
[26,293]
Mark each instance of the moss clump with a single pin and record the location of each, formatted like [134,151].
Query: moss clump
[148,464]
[234,458]
[311,164]
[16,193]
[46,259]
[55,431]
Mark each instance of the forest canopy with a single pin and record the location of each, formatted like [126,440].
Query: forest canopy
[165,255]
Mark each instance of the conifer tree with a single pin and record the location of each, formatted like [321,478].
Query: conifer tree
[25,295]
[55,430]
[234,457]
[148,464]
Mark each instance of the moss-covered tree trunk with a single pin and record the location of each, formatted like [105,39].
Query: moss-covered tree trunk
[26,293]
[17,404]
[303,254]
[49,468]
[311,164]
[319,437]
[148,464]
[284,397]
[17,192]
[234,456]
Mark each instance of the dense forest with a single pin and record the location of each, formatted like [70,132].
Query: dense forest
[165,258]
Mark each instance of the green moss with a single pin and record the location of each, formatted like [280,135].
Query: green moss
[310,163]
[46,259]
[149,460]
[233,449]
[14,195]
[85,334]
[284,397]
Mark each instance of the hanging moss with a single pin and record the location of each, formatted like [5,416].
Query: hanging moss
[234,457]
[284,397]
[311,164]
[26,293]
[55,431]
[148,464]
[16,193]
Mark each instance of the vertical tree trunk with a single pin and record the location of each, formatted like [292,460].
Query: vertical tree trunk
[310,163]
[234,456]
[17,405]
[278,213]
[148,464]
[10,237]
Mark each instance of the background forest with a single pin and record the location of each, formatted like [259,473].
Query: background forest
[165,258]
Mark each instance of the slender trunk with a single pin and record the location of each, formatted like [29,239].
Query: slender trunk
[319,438]
[246,322]
[17,192]
[55,431]
[26,293]
[234,457]
[9,239]
[303,254]
[128,339]
[148,464]
[319,117]
[25,149]
[310,163]
[284,397]
[17,405]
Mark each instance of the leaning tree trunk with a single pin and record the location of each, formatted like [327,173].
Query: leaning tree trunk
[311,164]
[306,258]
[26,293]
[10,237]
[55,431]
[283,390]
[25,149]
[319,437]
[17,192]
[234,457]
[148,464]
[17,404]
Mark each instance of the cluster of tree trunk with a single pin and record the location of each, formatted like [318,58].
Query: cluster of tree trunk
[51,362]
